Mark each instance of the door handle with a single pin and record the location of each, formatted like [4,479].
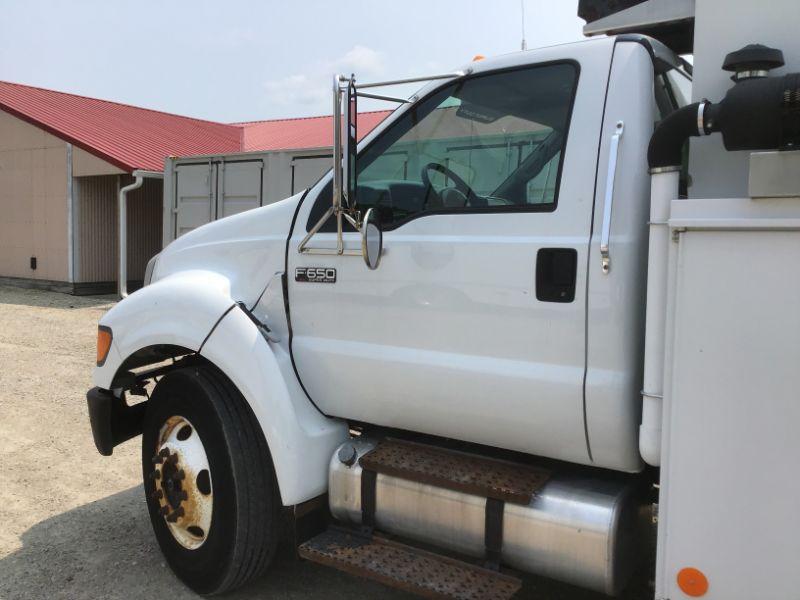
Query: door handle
[556,272]
[613,151]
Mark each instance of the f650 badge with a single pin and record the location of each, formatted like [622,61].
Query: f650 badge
[315,274]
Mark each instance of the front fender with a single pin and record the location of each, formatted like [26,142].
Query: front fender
[179,310]
[301,440]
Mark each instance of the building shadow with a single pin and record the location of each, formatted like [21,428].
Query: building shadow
[22,296]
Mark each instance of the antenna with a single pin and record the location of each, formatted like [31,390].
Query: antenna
[522,8]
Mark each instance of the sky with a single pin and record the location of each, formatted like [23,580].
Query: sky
[237,60]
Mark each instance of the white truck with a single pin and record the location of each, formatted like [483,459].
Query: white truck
[502,335]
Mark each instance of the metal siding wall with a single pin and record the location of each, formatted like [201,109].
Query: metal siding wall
[144,226]
[97,228]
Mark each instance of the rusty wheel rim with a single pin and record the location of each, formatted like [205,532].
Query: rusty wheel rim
[182,479]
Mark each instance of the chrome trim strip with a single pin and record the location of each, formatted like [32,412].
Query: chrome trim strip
[416,79]
[670,169]
[701,109]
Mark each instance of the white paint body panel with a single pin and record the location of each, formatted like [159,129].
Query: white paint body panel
[616,300]
[301,440]
[179,310]
[245,249]
[196,279]
[447,337]
[729,450]
[240,256]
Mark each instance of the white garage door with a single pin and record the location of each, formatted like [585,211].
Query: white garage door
[306,170]
[240,185]
[215,189]
[195,196]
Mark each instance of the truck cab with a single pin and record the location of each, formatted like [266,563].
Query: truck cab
[490,301]
[475,386]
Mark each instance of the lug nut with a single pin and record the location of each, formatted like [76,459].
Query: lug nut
[155,475]
[164,452]
[157,495]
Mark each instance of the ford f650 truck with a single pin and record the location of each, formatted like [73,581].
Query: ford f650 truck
[517,328]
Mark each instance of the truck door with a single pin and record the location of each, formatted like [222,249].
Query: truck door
[473,325]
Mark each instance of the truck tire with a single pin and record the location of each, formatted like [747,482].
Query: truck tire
[209,481]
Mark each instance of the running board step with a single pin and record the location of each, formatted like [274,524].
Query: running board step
[407,568]
[457,471]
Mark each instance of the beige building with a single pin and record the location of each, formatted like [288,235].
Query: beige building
[64,158]
[59,220]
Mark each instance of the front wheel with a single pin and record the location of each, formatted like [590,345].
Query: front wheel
[209,481]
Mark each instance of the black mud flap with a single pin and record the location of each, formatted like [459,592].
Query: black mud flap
[113,421]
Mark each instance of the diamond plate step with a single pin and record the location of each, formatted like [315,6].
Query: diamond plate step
[457,471]
[407,568]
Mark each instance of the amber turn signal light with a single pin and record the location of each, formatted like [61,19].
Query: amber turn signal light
[103,344]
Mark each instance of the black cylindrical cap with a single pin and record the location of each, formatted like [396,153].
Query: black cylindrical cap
[753,57]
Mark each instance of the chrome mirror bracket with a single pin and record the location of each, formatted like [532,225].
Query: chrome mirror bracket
[341,207]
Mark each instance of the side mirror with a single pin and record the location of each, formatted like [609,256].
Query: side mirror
[371,239]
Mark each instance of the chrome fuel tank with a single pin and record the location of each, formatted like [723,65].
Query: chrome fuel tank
[576,529]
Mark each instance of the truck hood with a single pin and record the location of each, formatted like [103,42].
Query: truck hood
[241,252]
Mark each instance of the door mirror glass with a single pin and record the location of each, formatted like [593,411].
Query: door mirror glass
[371,239]
[351,144]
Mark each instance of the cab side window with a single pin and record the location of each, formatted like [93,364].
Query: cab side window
[490,143]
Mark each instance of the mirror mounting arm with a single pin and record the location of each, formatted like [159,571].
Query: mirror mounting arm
[339,209]
[344,205]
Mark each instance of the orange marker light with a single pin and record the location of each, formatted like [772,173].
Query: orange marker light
[692,582]
[478,57]
[103,344]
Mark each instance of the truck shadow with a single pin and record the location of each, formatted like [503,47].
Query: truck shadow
[105,549]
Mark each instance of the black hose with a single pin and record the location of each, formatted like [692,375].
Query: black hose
[666,145]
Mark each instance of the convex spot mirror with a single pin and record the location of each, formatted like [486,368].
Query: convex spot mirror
[371,239]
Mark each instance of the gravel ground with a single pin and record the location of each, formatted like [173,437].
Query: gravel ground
[73,525]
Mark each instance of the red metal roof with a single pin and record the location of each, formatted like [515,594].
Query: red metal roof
[307,132]
[126,136]
[132,138]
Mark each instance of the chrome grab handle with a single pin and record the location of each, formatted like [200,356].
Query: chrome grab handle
[609,201]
